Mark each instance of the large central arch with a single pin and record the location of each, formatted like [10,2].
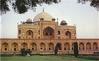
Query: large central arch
[48,32]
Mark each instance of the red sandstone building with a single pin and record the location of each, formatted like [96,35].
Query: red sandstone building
[43,33]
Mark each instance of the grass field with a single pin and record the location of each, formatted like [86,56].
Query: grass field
[43,58]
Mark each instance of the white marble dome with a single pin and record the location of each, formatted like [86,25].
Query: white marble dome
[43,15]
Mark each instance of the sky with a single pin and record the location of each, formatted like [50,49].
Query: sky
[85,18]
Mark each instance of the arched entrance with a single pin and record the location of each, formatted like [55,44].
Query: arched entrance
[58,47]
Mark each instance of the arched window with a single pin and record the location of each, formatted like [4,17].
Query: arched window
[68,34]
[29,34]
[58,32]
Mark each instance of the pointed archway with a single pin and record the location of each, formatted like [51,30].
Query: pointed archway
[48,32]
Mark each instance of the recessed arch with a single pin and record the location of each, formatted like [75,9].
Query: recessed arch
[66,46]
[14,46]
[29,34]
[34,46]
[51,46]
[81,46]
[42,46]
[24,45]
[88,46]
[95,46]
[5,47]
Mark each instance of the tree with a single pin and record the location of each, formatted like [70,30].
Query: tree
[22,6]
[75,46]
[28,51]
[93,3]
[24,52]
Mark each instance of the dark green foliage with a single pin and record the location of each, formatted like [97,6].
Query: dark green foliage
[28,51]
[75,49]
[94,3]
[4,6]
[23,52]
[22,6]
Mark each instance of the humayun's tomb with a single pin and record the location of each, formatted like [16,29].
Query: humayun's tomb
[41,34]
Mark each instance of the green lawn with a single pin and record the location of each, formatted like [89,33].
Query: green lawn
[43,58]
